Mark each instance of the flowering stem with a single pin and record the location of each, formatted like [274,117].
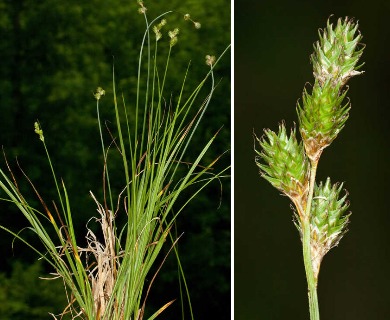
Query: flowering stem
[322,115]
[310,276]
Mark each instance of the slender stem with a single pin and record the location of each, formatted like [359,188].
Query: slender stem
[311,279]
[105,161]
[310,276]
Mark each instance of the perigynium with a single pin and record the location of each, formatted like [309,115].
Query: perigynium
[290,166]
[110,278]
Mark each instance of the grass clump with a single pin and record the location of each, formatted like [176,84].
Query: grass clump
[107,277]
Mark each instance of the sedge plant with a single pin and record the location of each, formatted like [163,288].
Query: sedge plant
[320,209]
[110,278]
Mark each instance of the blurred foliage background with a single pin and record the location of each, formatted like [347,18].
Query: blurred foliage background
[273,42]
[53,56]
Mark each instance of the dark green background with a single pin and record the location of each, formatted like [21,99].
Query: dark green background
[53,55]
[273,41]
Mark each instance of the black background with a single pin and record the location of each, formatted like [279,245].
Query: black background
[273,42]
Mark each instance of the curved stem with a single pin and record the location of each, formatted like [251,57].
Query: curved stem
[310,276]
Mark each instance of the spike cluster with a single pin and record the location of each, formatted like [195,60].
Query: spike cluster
[322,114]
[290,166]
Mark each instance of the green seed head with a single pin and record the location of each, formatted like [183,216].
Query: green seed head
[142,9]
[336,54]
[173,35]
[321,115]
[328,220]
[210,60]
[283,163]
[335,58]
[39,131]
[99,93]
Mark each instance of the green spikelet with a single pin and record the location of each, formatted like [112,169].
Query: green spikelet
[284,164]
[322,114]
[328,220]
[336,54]
[321,117]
